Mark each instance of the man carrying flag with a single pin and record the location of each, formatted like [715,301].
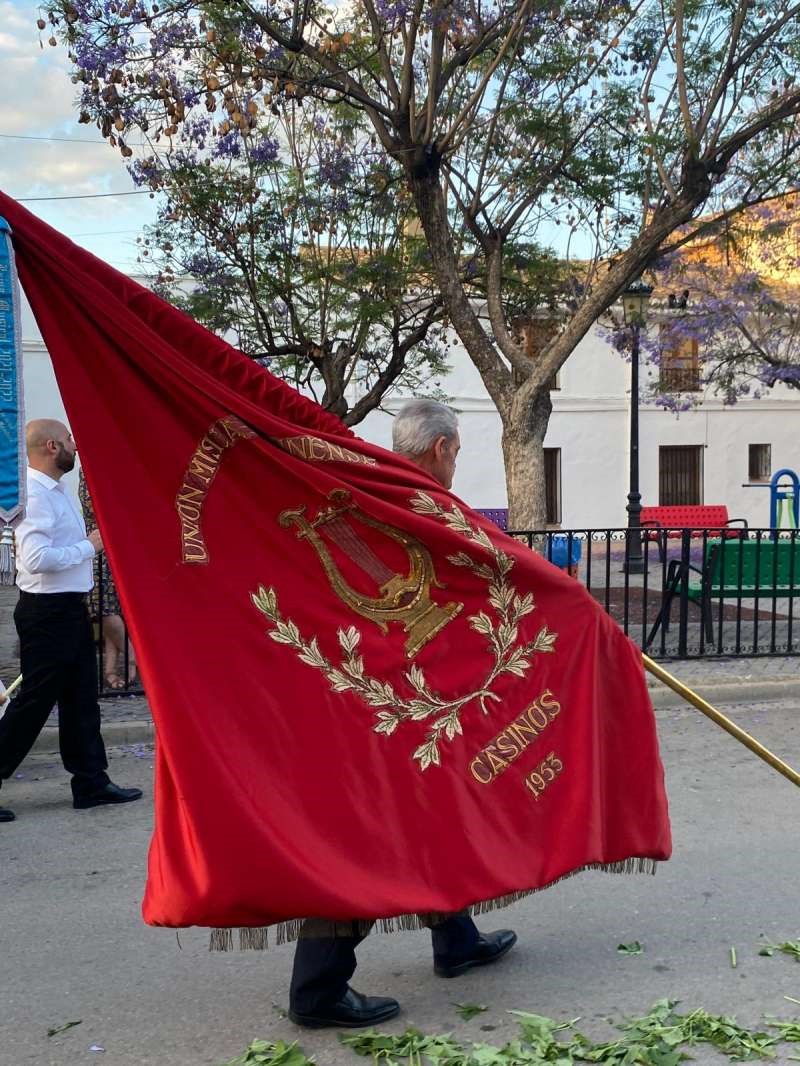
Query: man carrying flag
[426,433]
[418,715]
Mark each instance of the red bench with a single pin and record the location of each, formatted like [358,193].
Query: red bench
[669,522]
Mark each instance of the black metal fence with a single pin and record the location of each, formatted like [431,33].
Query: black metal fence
[701,593]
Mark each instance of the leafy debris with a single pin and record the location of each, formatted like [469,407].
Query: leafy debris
[658,1038]
[63,1028]
[469,1010]
[788,947]
[265,1053]
[634,948]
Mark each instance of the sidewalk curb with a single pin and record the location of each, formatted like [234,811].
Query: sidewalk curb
[723,693]
[720,694]
[114,734]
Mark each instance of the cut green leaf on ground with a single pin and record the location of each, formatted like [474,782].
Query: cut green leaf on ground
[658,1038]
[265,1053]
[469,1010]
[63,1028]
[788,947]
[634,948]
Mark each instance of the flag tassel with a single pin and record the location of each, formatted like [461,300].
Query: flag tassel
[721,720]
[256,938]
[7,555]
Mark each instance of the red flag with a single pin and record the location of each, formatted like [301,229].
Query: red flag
[369,701]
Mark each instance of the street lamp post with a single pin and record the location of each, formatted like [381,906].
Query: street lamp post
[634,307]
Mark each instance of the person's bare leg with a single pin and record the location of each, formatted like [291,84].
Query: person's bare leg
[113,632]
[122,640]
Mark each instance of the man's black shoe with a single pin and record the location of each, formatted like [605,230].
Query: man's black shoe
[6,815]
[490,948]
[352,1011]
[109,793]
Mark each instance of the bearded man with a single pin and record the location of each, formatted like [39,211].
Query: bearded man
[57,653]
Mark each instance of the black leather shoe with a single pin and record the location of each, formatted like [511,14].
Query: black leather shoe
[352,1011]
[6,815]
[490,948]
[110,793]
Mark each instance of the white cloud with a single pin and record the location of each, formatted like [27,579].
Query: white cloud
[37,99]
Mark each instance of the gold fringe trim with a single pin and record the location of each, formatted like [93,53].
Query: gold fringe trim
[256,938]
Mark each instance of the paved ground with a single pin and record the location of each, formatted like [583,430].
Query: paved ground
[72,945]
[725,682]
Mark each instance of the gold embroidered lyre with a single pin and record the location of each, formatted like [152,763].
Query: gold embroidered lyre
[404,598]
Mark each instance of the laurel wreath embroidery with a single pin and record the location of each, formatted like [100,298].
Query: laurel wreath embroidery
[501,632]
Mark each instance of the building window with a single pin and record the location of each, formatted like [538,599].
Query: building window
[680,474]
[534,334]
[760,461]
[520,379]
[680,362]
[552,485]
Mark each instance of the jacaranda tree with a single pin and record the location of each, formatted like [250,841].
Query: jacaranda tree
[605,131]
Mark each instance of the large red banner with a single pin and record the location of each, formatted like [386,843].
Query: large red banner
[369,701]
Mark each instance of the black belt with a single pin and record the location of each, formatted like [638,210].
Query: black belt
[54,597]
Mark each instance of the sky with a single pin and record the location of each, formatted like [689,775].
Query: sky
[44,152]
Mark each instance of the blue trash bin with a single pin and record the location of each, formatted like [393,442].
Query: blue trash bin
[564,555]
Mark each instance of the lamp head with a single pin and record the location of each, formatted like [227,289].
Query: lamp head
[635,299]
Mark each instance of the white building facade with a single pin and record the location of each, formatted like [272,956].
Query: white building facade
[588,437]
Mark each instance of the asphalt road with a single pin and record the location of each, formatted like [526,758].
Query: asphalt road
[73,947]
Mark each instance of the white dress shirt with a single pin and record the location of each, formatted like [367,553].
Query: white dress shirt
[53,553]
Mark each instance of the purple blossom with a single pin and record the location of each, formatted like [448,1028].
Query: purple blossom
[264,151]
[96,58]
[393,10]
[336,167]
[196,130]
[144,171]
[229,146]
[204,265]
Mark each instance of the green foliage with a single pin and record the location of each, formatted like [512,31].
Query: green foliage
[264,1053]
[633,948]
[62,1028]
[541,155]
[699,1027]
[658,1038]
[789,1030]
[788,947]
[469,1010]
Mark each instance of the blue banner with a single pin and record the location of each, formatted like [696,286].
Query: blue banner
[12,415]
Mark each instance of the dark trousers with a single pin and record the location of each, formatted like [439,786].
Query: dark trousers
[59,665]
[324,964]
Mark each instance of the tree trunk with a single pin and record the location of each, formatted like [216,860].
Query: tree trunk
[432,210]
[524,412]
[523,455]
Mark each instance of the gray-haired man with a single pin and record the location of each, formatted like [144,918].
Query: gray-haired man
[426,432]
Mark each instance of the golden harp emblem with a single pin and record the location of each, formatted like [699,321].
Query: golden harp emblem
[403,598]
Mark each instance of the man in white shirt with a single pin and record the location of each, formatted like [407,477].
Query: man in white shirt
[57,652]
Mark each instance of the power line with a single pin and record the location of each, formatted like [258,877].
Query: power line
[102,233]
[83,196]
[62,140]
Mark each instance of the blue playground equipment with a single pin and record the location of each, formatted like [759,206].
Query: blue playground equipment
[784,499]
